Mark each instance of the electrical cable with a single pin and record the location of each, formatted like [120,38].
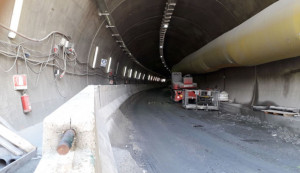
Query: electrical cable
[32,39]
[30,56]
[16,58]
[57,88]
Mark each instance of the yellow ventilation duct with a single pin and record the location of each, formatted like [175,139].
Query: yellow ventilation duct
[271,35]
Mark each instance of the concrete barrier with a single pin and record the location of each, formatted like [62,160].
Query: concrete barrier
[88,113]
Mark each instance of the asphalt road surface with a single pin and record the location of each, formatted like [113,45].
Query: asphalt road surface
[162,137]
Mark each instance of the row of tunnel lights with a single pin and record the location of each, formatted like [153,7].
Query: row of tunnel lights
[140,76]
[137,75]
[170,6]
[119,39]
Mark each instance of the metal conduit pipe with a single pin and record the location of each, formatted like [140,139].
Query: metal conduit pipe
[271,35]
[6,157]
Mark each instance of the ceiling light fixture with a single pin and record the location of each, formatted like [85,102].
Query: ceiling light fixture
[170,6]
[15,19]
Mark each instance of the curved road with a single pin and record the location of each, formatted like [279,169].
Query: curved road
[164,138]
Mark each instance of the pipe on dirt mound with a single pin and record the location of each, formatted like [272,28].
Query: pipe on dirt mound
[271,35]
[66,142]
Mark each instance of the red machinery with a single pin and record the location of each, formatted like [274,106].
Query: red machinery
[179,84]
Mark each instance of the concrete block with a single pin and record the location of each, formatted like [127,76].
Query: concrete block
[77,114]
[88,113]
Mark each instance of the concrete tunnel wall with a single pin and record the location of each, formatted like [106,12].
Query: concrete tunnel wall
[277,83]
[76,18]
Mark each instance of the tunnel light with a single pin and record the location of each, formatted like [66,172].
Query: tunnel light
[95,57]
[130,73]
[109,64]
[15,19]
[103,14]
[139,76]
[144,76]
[124,72]
[161,47]
[110,26]
[135,74]
[166,25]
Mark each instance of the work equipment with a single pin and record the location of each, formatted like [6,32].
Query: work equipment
[180,83]
[203,100]
[224,97]
[183,89]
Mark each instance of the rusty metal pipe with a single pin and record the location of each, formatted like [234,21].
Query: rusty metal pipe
[65,144]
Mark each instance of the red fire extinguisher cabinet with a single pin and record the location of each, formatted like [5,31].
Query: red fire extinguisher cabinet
[26,103]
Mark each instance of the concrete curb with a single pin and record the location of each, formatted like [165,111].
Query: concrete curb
[110,98]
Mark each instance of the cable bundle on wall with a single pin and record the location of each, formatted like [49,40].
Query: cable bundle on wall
[58,56]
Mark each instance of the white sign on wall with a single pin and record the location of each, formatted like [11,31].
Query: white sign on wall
[20,82]
[103,62]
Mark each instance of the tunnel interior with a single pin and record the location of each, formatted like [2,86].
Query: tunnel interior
[128,33]
[193,25]
[248,49]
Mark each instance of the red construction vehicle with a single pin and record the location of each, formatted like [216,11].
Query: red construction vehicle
[179,84]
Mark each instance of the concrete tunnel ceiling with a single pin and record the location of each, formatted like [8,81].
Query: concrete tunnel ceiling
[194,23]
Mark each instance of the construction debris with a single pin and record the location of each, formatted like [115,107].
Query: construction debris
[281,113]
[16,151]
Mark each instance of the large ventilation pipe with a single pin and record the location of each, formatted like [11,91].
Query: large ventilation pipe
[271,35]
